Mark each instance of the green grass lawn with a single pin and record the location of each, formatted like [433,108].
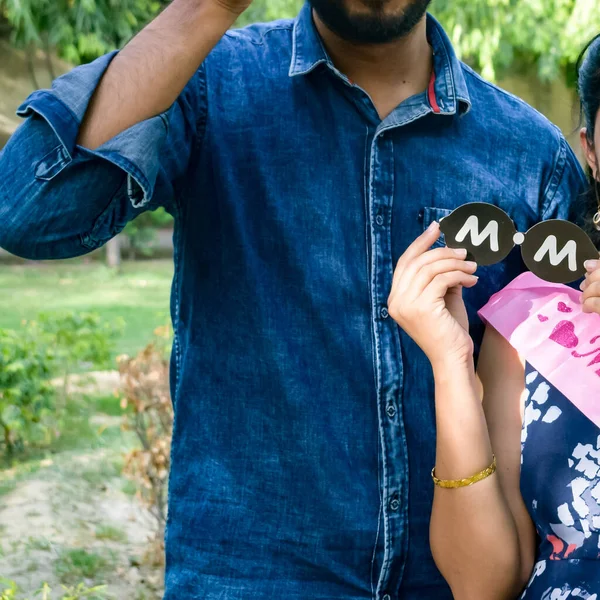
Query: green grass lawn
[139,294]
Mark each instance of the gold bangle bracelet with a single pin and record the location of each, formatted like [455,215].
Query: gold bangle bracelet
[458,483]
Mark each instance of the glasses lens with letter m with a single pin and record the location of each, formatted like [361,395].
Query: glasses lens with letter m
[553,250]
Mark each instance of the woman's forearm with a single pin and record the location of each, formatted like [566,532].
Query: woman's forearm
[474,535]
[474,538]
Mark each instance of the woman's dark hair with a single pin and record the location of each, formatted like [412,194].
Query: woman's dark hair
[588,78]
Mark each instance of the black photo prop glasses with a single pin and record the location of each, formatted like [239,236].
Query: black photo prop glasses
[553,250]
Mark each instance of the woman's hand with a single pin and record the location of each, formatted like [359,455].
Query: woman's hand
[591,288]
[426,299]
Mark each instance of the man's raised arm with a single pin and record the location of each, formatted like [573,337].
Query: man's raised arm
[148,75]
[111,139]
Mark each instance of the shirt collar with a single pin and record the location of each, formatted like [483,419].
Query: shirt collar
[307,48]
[450,86]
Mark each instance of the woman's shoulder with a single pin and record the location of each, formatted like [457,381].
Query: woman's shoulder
[544,322]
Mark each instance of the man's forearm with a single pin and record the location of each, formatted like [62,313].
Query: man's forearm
[148,75]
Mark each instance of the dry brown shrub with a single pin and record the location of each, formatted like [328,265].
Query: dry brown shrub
[145,389]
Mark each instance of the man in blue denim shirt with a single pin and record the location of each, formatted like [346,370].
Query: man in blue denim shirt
[299,159]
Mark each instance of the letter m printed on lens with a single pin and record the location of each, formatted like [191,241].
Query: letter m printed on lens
[550,248]
[471,228]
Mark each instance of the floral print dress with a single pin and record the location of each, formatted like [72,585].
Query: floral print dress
[560,439]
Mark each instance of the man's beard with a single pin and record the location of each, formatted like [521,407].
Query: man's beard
[376,27]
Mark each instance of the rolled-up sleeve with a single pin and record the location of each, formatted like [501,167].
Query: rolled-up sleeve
[58,199]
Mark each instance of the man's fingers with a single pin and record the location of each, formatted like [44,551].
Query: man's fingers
[427,273]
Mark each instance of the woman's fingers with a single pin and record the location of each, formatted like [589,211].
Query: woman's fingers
[405,273]
[592,305]
[428,272]
[590,298]
[590,278]
[439,286]
[433,256]
[422,243]
[418,247]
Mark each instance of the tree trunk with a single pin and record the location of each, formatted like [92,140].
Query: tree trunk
[113,253]
[31,66]
[7,440]
[49,64]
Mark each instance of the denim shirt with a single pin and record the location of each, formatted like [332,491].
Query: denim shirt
[304,417]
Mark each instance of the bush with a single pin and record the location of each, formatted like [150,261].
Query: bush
[10,591]
[54,344]
[77,564]
[142,231]
[26,396]
[78,339]
[145,385]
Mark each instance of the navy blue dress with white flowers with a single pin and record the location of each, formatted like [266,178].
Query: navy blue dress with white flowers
[560,483]
[560,440]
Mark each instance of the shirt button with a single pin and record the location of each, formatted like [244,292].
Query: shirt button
[391,411]
[387,597]
[395,504]
[384,313]
[379,220]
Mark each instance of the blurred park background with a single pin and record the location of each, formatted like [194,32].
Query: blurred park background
[85,414]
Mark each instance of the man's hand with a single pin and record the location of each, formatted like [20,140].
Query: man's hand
[235,7]
[591,288]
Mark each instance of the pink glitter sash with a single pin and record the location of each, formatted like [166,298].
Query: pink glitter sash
[544,323]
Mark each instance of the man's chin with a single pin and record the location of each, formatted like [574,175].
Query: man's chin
[367,8]
[372,22]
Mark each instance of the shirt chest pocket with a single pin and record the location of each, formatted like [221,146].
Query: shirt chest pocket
[428,215]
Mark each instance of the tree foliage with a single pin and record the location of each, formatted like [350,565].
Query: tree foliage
[497,34]
[141,232]
[491,34]
[81,30]
[494,35]
[261,11]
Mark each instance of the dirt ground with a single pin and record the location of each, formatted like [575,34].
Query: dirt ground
[72,517]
